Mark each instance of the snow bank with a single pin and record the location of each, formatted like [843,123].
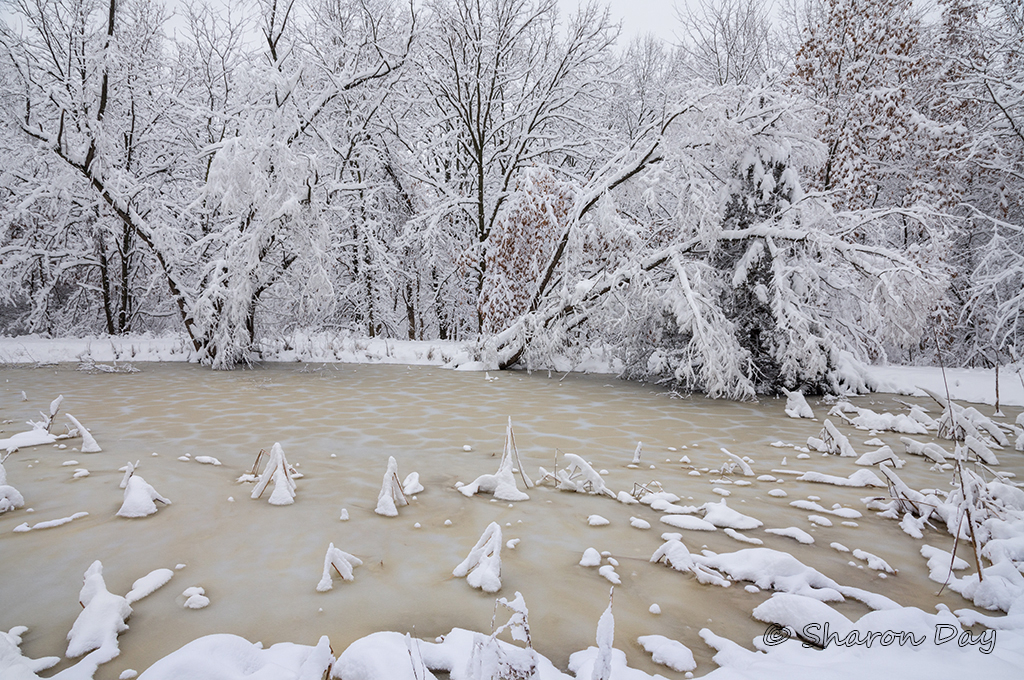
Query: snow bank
[229,657]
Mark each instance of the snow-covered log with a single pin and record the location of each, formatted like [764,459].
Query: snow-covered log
[102,618]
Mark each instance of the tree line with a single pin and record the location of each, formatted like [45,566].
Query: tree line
[755,208]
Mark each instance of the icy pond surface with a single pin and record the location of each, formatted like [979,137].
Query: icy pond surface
[259,564]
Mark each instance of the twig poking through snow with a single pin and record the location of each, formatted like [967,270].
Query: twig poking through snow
[340,561]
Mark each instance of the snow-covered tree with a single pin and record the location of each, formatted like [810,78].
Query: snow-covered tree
[726,42]
[507,89]
[711,265]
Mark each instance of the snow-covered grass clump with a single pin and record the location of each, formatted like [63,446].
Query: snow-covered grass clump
[280,474]
[139,497]
[502,484]
[341,562]
[391,495]
[482,567]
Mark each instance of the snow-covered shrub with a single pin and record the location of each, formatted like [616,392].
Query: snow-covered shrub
[10,498]
[831,440]
[797,406]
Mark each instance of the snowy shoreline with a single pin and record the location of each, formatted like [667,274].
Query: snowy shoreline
[975,385]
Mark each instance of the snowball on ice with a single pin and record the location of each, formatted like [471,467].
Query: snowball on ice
[10,498]
[638,523]
[139,498]
[597,521]
[591,558]
[799,535]
[340,561]
[688,522]
[859,478]
[206,460]
[411,485]
[608,571]
[732,533]
[874,562]
[482,567]
[50,524]
[195,598]
[721,515]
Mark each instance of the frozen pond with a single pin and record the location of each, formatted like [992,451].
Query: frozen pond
[338,424]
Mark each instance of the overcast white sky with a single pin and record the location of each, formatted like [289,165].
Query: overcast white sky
[638,16]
